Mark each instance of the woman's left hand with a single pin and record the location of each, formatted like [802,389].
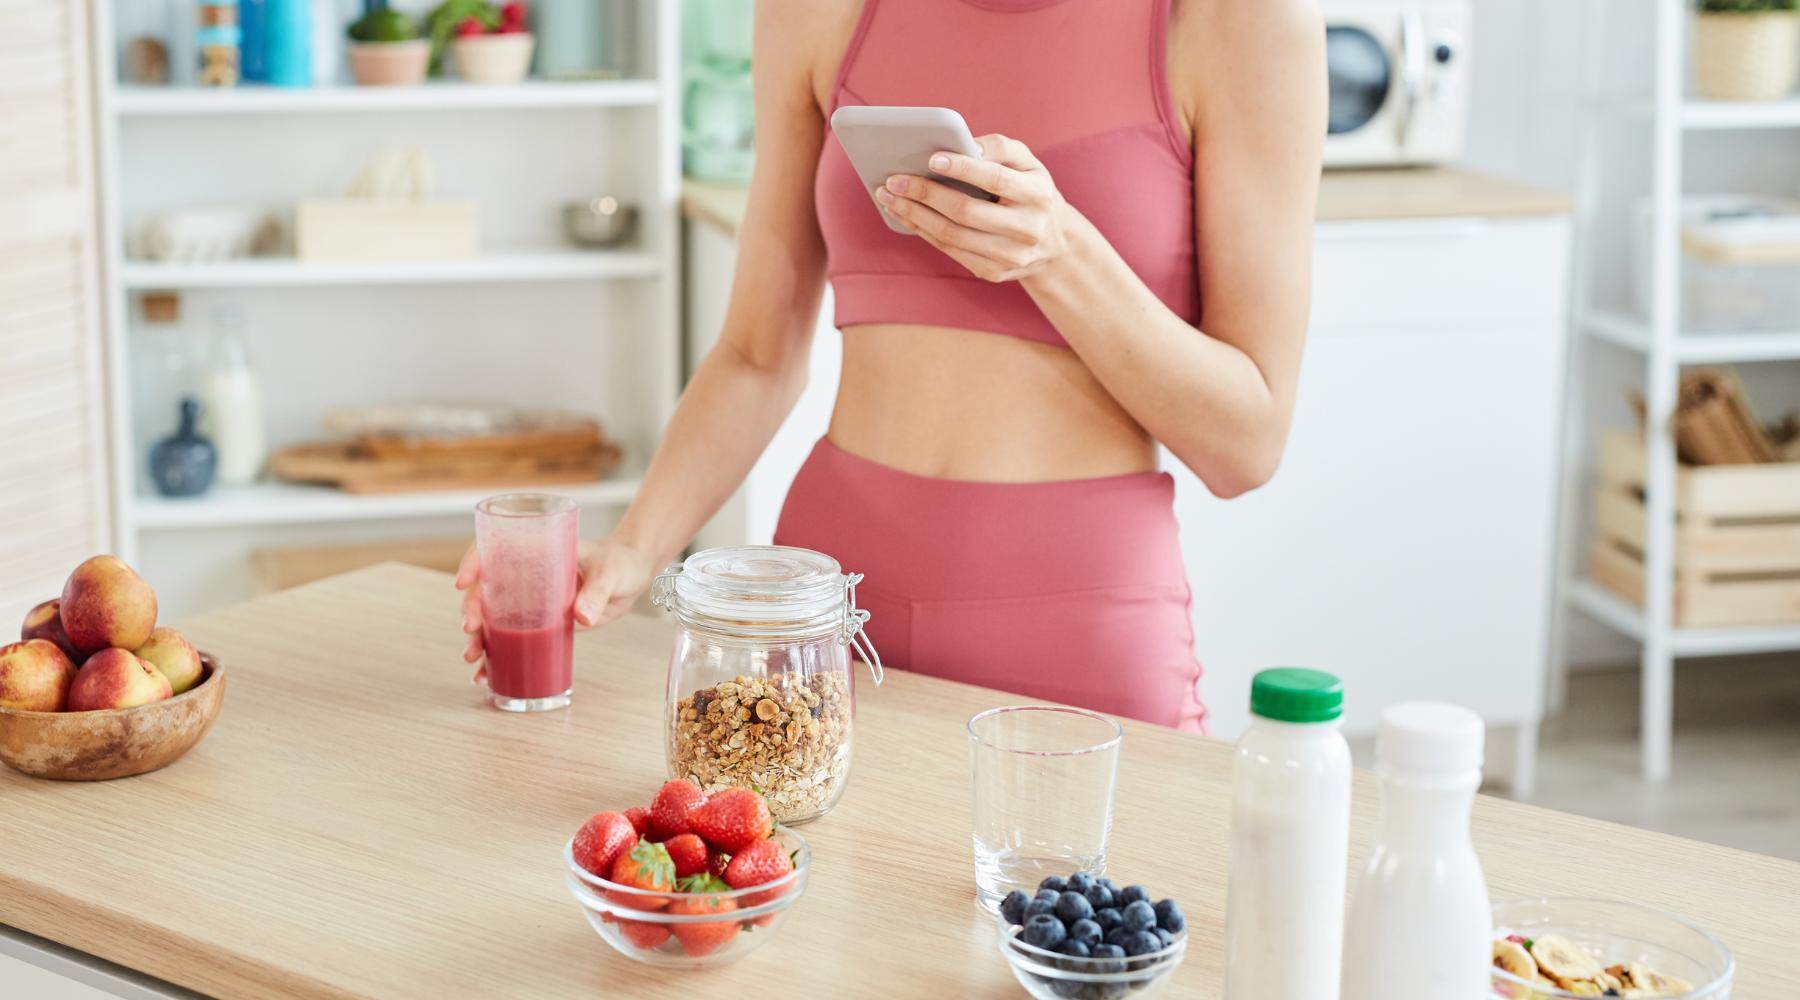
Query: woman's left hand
[1020,235]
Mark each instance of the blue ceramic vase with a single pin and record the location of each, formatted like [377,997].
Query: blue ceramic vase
[183,463]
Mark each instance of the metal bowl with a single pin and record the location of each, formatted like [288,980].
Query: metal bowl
[599,222]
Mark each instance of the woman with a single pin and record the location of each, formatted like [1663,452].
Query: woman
[1010,369]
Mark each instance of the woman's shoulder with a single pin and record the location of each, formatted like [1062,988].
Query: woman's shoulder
[807,34]
[1210,39]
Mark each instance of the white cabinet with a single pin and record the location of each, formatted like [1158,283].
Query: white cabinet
[1406,542]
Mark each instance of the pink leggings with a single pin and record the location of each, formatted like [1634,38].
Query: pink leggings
[1070,591]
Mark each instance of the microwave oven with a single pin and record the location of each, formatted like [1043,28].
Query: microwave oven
[1399,74]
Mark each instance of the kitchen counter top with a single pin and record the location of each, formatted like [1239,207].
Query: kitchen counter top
[359,825]
[1344,196]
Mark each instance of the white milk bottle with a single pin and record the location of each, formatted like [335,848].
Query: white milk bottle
[1290,832]
[1420,923]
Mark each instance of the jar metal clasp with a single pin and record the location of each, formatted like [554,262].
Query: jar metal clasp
[854,620]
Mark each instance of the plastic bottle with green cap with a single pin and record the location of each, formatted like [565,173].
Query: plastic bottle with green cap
[1290,837]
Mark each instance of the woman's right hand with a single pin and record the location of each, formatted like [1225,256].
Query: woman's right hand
[612,576]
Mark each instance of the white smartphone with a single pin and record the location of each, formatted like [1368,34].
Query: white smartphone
[883,141]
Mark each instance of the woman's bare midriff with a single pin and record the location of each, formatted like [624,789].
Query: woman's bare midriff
[959,404]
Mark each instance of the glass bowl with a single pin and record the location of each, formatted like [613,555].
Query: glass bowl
[633,921]
[1048,975]
[1616,932]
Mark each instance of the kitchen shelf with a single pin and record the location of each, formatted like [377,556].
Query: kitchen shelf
[288,503]
[1699,115]
[277,272]
[1628,619]
[1698,348]
[445,96]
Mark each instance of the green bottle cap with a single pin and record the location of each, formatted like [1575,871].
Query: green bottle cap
[1296,694]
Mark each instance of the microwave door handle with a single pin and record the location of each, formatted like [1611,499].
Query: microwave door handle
[1412,73]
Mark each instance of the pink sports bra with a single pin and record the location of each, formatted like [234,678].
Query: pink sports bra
[1082,82]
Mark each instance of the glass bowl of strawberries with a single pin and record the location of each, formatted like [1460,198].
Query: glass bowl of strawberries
[691,882]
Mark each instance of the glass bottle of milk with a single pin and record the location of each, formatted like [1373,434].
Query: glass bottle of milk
[1420,922]
[233,407]
[1290,835]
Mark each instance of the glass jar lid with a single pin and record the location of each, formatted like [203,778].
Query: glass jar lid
[766,592]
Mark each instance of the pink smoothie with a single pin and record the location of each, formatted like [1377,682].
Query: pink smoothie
[530,663]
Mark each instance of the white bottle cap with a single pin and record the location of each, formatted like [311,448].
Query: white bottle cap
[1431,738]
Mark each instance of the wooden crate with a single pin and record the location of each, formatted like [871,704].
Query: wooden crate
[1737,537]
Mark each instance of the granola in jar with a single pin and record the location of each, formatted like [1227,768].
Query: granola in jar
[786,734]
[760,691]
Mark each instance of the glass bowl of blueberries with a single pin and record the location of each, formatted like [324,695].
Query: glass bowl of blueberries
[1086,938]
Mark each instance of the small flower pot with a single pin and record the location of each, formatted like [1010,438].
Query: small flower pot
[389,64]
[504,58]
[1746,56]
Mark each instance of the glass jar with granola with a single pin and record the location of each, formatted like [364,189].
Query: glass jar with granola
[761,693]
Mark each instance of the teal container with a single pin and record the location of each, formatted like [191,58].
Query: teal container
[287,32]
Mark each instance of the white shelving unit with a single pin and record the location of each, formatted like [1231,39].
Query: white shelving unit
[532,320]
[1674,120]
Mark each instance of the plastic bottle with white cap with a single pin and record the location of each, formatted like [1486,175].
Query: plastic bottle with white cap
[1420,922]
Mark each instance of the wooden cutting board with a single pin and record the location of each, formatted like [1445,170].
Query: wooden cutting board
[344,465]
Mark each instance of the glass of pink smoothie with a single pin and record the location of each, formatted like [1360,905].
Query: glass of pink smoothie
[527,543]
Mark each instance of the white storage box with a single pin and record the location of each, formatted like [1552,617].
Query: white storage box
[1740,263]
[382,229]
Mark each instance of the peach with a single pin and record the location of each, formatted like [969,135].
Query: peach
[35,675]
[116,678]
[45,622]
[106,604]
[169,652]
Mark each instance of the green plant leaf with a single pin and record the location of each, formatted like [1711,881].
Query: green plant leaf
[441,24]
[1746,6]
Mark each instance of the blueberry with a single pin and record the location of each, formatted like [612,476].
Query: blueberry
[1168,916]
[1141,943]
[1049,894]
[1064,987]
[1106,951]
[1117,935]
[1131,894]
[1138,916]
[1044,931]
[1111,886]
[1099,897]
[1107,918]
[1072,948]
[1086,931]
[1078,882]
[1013,906]
[1073,906]
[1164,936]
[1055,883]
[1039,908]
[1114,989]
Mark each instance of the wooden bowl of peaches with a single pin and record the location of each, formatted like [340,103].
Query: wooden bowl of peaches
[95,690]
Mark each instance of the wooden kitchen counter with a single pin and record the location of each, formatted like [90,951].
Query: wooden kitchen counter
[359,824]
[1344,196]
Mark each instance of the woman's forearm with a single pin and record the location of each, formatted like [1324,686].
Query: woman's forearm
[1203,398]
[730,410]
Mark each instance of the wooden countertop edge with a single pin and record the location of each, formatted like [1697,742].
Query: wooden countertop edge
[1344,196]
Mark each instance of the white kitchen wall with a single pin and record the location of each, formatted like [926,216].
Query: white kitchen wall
[1526,117]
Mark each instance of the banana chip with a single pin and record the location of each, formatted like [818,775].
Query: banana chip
[1563,959]
[1645,978]
[1512,956]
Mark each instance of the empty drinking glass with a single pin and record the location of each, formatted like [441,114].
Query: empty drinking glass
[1043,783]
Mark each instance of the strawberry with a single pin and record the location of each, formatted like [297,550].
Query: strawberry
[733,820]
[703,938]
[646,866]
[640,819]
[513,12]
[716,861]
[688,852]
[669,811]
[601,840]
[761,862]
[643,935]
[470,26]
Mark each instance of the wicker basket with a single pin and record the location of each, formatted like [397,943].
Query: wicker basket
[1749,56]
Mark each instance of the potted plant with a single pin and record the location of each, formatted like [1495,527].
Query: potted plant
[1746,50]
[386,48]
[488,43]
